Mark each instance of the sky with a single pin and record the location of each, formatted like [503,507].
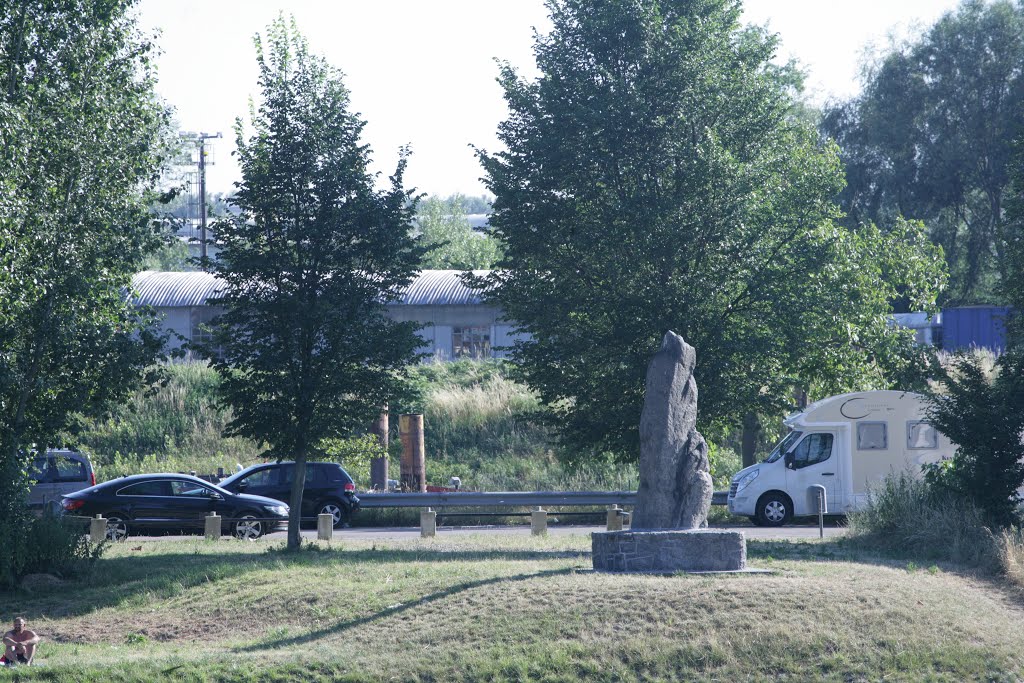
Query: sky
[422,72]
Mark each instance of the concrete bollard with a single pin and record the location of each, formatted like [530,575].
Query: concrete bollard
[97,529]
[324,527]
[212,526]
[614,518]
[539,522]
[428,523]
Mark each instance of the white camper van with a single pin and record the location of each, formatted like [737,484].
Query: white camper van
[846,444]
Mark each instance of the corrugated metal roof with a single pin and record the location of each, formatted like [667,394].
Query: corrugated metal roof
[170,290]
[440,288]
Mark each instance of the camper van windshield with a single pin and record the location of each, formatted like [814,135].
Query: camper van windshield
[784,446]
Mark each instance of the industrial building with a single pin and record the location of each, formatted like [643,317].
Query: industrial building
[457,322]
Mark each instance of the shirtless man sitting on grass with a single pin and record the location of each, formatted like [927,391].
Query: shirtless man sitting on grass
[19,644]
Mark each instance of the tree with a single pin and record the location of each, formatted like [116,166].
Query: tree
[659,176]
[931,138]
[984,417]
[451,240]
[80,142]
[304,349]
[1012,287]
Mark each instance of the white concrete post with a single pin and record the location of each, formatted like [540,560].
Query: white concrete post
[614,518]
[428,523]
[212,526]
[97,529]
[324,527]
[539,522]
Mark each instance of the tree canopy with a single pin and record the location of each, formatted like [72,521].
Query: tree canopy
[80,142]
[931,137]
[660,175]
[304,348]
[451,240]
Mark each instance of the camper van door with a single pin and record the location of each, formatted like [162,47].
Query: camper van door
[815,460]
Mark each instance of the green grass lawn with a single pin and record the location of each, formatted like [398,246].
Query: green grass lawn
[504,608]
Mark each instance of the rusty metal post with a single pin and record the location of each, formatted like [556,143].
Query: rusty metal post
[410,429]
[379,466]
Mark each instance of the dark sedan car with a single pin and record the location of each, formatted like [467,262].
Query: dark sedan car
[328,490]
[146,503]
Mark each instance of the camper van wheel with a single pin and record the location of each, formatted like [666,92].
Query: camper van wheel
[774,509]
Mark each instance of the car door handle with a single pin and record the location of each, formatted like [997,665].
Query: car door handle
[828,474]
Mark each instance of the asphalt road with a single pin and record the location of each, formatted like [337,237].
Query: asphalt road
[385,533]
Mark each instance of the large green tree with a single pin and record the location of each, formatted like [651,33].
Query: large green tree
[659,175]
[80,142]
[304,349]
[451,240]
[931,137]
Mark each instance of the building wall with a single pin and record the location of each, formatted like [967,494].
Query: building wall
[440,325]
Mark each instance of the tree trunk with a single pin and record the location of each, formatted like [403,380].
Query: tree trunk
[751,426]
[295,502]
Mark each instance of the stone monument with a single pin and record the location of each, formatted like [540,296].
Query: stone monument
[667,533]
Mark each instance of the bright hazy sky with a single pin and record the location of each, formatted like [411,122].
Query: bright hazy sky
[422,71]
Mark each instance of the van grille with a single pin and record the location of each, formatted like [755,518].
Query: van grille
[732,489]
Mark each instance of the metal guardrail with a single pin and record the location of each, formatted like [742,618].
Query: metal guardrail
[499,499]
[507,498]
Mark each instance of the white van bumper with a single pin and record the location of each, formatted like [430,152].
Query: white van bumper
[742,505]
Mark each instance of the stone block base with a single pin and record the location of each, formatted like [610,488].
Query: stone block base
[669,550]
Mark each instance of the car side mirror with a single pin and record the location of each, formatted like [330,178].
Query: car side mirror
[216,496]
[789,460]
[242,486]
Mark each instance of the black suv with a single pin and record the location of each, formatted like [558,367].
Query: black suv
[328,490]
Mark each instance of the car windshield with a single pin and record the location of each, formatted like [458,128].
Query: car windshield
[783,446]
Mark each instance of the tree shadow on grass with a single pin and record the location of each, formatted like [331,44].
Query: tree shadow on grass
[344,626]
[120,580]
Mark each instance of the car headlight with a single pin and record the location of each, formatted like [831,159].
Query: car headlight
[746,479]
[280,510]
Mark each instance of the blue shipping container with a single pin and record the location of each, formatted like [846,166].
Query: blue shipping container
[978,326]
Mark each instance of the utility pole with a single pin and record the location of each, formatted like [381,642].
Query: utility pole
[201,139]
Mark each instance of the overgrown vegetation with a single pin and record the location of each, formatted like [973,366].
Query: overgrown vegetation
[480,424]
[57,548]
[913,518]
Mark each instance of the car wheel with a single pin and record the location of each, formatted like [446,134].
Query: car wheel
[117,528]
[774,509]
[249,527]
[335,510]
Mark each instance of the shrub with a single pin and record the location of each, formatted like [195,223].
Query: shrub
[57,546]
[982,412]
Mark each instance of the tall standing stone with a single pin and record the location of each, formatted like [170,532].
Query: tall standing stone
[675,482]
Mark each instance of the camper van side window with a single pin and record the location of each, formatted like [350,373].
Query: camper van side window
[921,435]
[872,436]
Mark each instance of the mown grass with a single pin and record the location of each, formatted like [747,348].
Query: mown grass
[515,608]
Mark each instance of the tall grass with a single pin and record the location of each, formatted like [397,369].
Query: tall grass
[905,515]
[175,426]
[481,426]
